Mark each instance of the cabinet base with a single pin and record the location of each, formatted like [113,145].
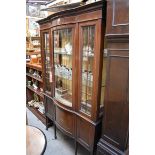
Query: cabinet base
[104,148]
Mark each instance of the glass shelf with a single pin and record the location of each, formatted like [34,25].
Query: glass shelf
[34,66]
[63,77]
[63,66]
[63,53]
[35,91]
[34,77]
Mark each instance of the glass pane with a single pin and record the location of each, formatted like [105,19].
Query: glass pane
[87,68]
[48,78]
[63,66]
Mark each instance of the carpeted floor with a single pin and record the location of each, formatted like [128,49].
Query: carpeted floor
[63,145]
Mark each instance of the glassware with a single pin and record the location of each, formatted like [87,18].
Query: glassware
[63,65]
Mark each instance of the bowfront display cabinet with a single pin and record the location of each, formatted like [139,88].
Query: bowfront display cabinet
[74,69]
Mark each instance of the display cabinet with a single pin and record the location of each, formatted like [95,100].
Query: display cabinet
[75,77]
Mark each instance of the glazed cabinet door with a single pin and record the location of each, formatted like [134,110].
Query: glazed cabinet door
[63,54]
[47,62]
[89,64]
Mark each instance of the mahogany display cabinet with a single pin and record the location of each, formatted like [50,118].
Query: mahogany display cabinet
[72,43]
[115,131]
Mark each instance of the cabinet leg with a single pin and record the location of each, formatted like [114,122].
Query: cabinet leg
[76,147]
[92,152]
[55,132]
[46,123]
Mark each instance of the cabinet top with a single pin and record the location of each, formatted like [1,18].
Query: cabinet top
[74,11]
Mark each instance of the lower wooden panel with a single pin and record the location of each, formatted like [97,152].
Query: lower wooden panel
[87,133]
[65,121]
[84,132]
[49,108]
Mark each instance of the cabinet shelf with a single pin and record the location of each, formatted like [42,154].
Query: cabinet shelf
[34,66]
[30,49]
[63,77]
[33,49]
[62,53]
[37,113]
[35,91]
[83,81]
[91,56]
[34,77]
[32,53]
[63,101]
[88,85]
[33,38]
[36,46]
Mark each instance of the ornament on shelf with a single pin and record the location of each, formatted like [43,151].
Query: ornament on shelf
[29,83]
[31,71]
[68,48]
[34,59]
[31,103]
[35,85]
[58,83]
[39,58]
[36,98]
